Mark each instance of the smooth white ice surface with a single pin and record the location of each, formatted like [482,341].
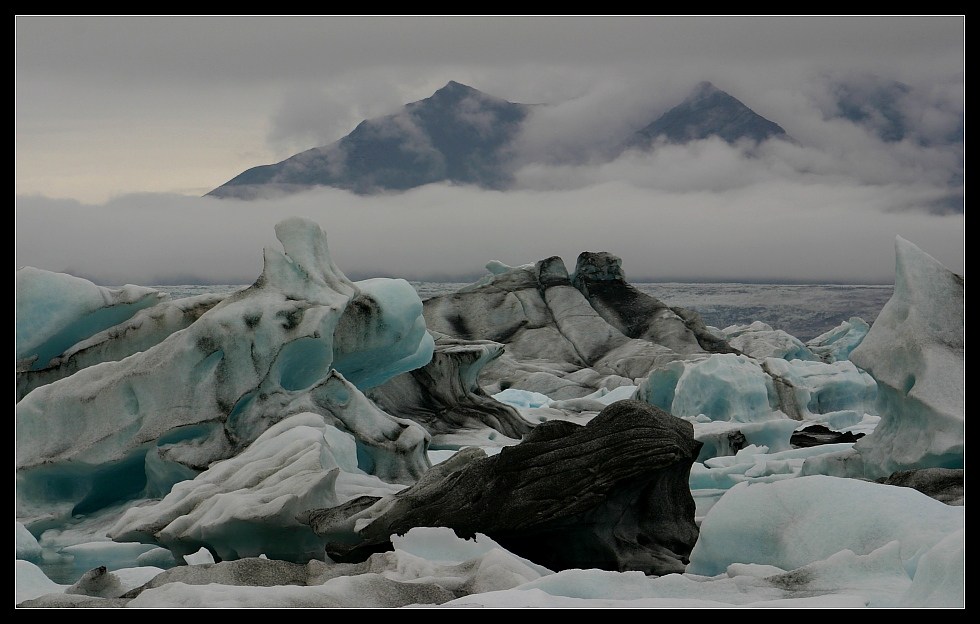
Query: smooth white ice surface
[795,522]
[30,582]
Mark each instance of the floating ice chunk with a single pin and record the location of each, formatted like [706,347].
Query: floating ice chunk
[139,332]
[808,390]
[381,333]
[808,519]
[721,386]
[940,577]
[202,557]
[25,544]
[53,311]
[442,544]
[915,351]
[522,398]
[157,558]
[836,345]
[596,401]
[249,504]
[756,465]
[31,582]
[722,438]
[879,576]
[120,429]
[760,341]
[113,556]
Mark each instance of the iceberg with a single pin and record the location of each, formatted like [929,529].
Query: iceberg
[836,344]
[793,523]
[309,442]
[53,311]
[613,494]
[815,391]
[146,328]
[445,396]
[123,429]
[721,386]
[247,505]
[915,351]
[567,336]
[761,341]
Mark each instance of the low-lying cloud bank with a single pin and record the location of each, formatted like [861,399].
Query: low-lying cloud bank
[701,212]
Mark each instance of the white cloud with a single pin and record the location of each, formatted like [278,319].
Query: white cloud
[763,231]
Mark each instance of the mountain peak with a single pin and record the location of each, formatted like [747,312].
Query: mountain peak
[452,84]
[457,91]
[703,89]
[458,135]
[708,111]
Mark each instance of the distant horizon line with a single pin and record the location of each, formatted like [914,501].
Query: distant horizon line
[469,279]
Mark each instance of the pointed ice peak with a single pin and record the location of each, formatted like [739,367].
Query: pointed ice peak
[917,271]
[304,269]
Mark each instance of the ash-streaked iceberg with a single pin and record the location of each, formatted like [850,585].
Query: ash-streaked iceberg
[120,430]
[612,494]
[445,396]
[146,328]
[567,336]
[835,393]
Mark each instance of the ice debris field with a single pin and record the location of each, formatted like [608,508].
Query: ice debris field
[540,438]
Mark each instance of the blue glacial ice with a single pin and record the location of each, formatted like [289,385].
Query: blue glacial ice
[721,387]
[125,429]
[53,311]
[836,344]
[796,522]
[144,329]
[238,422]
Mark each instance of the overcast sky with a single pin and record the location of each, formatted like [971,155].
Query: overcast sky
[121,124]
